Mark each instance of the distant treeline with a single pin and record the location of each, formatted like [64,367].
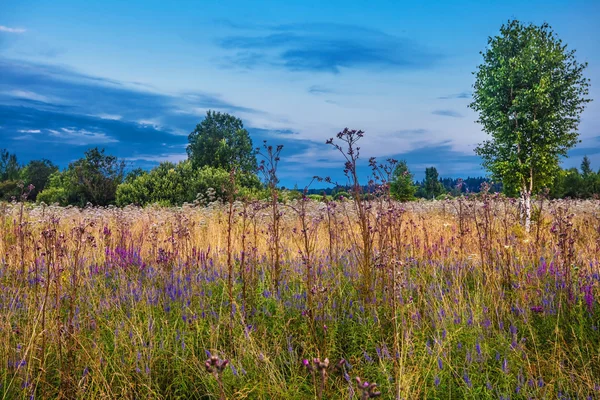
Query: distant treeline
[222,163]
[451,186]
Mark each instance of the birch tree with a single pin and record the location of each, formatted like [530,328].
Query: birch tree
[529,92]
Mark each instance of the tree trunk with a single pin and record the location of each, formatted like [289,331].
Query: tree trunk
[526,208]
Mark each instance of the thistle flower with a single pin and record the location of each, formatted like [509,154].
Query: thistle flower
[215,365]
[368,390]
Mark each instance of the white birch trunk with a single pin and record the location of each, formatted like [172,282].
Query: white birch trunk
[526,209]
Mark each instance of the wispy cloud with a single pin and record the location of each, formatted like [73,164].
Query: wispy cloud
[12,30]
[447,113]
[317,90]
[28,95]
[81,137]
[112,117]
[29,131]
[461,95]
[326,48]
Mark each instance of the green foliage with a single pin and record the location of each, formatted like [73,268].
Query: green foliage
[9,189]
[58,189]
[432,187]
[443,196]
[586,167]
[342,194]
[289,195]
[529,93]
[54,195]
[175,184]
[91,179]
[9,167]
[571,183]
[315,197]
[37,173]
[134,173]
[402,186]
[220,141]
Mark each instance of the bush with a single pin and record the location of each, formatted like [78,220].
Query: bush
[53,195]
[9,189]
[443,196]
[339,195]
[175,184]
[315,197]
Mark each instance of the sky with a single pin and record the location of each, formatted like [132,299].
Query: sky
[135,77]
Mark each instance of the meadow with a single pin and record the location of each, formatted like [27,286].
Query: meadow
[267,300]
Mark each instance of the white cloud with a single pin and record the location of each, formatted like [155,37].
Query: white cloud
[26,94]
[11,30]
[29,131]
[81,137]
[24,137]
[112,117]
[150,123]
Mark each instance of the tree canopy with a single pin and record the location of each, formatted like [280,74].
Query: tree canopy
[37,173]
[402,185]
[220,141]
[9,167]
[93,178]
[432,187]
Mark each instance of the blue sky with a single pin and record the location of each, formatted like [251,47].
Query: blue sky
[136,76]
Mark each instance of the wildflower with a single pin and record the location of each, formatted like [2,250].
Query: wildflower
[368,390]
[467,380]
[537,309]
[588,297]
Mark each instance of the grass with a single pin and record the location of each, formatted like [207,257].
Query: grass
[132,303]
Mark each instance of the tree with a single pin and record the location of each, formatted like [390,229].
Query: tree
[133,174]
[37,173]
[96,177]
[9,167]
[56,190]
[402,186]
[567,184]
[91,179]
[432,185]
[220,141]
[529,93]
[586,167]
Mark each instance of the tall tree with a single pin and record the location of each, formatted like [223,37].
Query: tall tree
[220,141]
[402,186]
[95,177]
[37,173]
[9,167]
[529,93]
[432,185]
[586,167]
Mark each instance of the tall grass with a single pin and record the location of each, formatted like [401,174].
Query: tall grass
[189,303]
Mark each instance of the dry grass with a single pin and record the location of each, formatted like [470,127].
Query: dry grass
[461,303]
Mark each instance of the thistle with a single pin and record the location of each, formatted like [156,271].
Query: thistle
[368,390]
[215,366]
[321,367]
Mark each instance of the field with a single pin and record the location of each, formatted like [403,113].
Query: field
[437,300]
